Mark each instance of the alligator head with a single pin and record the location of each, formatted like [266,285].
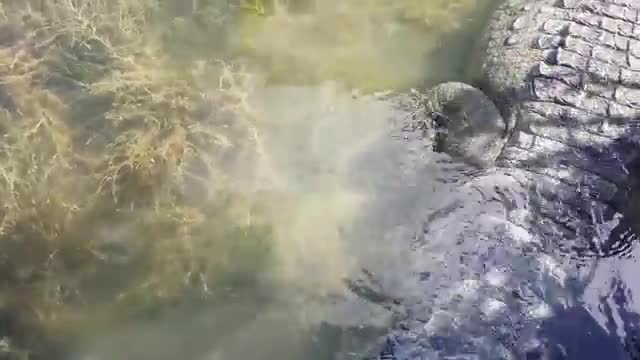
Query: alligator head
[517,243]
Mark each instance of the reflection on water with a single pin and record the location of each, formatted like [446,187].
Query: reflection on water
[321,179]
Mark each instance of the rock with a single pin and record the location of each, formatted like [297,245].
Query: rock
[468,124]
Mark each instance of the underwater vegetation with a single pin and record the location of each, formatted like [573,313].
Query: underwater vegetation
[125,126]
[112,163]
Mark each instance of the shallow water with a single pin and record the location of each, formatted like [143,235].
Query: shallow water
[364,44]
[314,64]
[353,192]
[339,228]
[337,192]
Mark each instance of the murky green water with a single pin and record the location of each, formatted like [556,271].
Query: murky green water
[306,78]
[365,44]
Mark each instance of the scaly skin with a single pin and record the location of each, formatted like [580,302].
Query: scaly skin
[566,77]
[566,74]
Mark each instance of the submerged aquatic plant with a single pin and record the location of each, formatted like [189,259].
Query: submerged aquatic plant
[112,169]
[127,140]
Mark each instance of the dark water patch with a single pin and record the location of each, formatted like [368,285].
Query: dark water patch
[574,334]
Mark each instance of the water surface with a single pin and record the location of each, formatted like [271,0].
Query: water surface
[314,87]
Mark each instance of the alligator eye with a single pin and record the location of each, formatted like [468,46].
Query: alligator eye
[440,121]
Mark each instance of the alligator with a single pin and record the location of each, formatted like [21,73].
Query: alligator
[551,124]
